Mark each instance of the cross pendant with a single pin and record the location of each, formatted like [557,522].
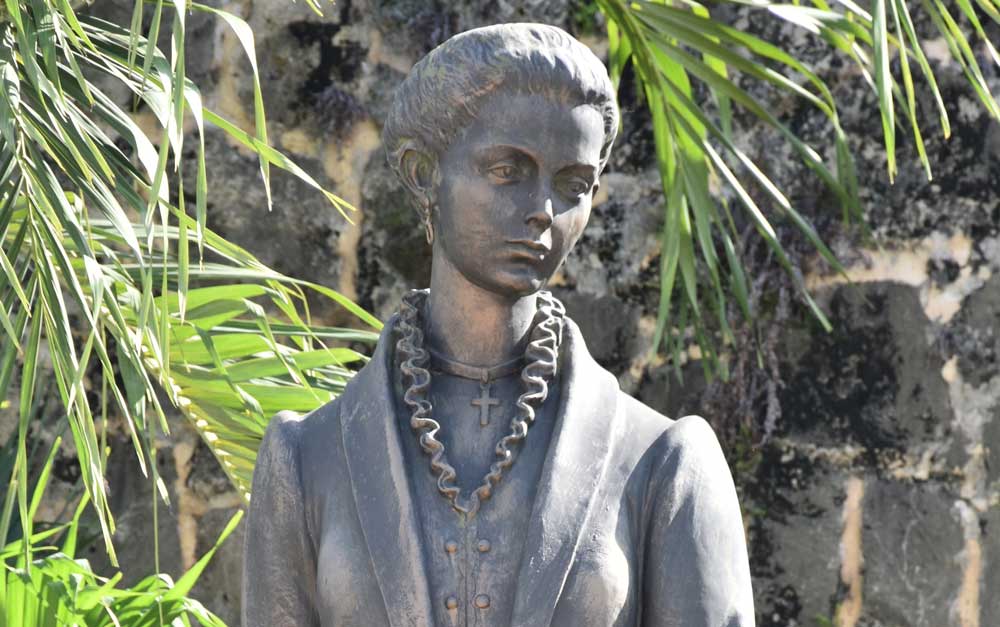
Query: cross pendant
[484,402]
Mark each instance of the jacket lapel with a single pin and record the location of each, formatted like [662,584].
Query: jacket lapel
[382,490]
[573,470]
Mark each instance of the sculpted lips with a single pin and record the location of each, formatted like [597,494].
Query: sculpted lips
[530,248]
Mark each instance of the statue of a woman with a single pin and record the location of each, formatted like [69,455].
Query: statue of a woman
[482,469]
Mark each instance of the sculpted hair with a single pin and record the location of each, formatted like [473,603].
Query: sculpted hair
[444,91]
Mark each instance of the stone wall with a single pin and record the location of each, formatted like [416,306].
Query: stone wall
[868,458]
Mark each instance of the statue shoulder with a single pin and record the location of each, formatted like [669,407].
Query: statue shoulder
[281,438]
[688,431]
[688,453]
[292,436]
[695,520]
[689,441]
[642,421]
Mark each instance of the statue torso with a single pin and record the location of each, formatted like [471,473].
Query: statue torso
[471,562]
[612,516]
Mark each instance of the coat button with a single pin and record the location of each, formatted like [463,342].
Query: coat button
[484,546]
[482,601]
[451,546]
[451,603]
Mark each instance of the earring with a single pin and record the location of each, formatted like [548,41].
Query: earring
[429,230]
[428,225]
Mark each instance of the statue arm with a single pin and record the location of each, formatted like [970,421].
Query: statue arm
[696,571]
[279,564]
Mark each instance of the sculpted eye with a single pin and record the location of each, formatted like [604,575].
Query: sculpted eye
[576,187]
[503,172]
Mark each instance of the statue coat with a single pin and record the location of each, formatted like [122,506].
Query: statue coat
[634,520]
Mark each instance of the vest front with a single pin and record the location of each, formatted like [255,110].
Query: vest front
[472,561]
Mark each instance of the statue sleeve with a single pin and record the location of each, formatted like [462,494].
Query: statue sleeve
[279,559]
[696,571]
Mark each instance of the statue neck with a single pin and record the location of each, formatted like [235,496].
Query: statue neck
[467,323]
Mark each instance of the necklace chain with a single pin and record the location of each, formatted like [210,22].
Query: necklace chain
[541,361]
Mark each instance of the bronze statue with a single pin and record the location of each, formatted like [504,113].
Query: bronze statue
[482,469]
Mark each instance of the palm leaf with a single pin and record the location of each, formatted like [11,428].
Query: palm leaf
[116,297]
[47,585]
[673,45]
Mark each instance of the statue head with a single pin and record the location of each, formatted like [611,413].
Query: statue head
[500,134]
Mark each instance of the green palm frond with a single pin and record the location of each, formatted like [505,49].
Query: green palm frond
[97,274]
[233,365]
[47,584]
[674,46]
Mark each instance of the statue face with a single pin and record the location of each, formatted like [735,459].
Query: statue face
[515,191]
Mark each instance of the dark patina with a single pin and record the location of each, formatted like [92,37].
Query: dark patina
[482,469]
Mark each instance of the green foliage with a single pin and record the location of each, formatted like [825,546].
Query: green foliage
[584,16]
[111,280]
[674,45]
[46,585]
[97,276]
[823,621]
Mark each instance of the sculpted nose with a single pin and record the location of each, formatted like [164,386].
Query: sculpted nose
[541,214]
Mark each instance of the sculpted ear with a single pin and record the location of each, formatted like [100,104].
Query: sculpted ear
[417,170]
